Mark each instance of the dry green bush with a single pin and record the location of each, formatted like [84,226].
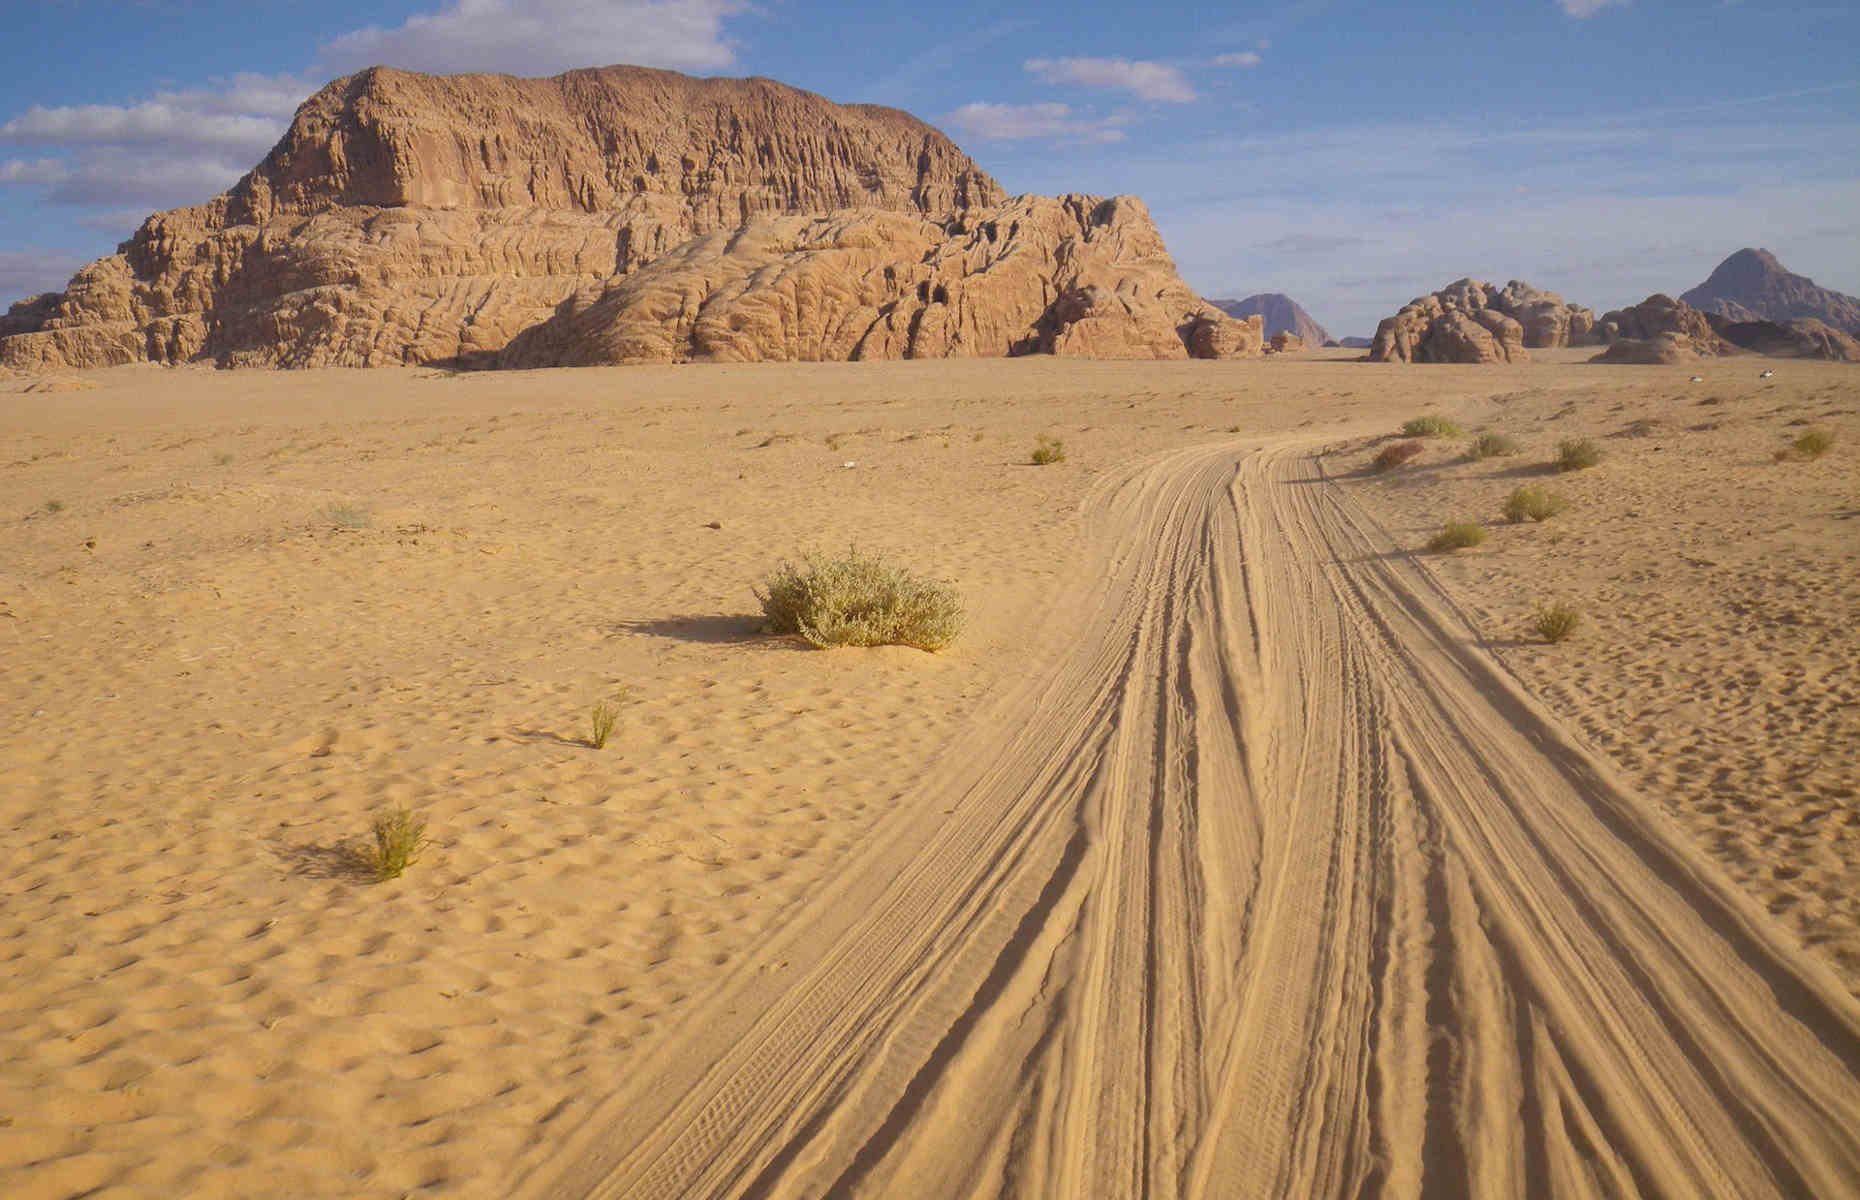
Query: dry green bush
[859,600]
[1555,622]
[347,516]
[1431,427]
[1574,454]
[1534,503]
[1813,444]
[399,837]
[1494,445]
[1457,535]
[1397,455]
[601,721]
[1048,450]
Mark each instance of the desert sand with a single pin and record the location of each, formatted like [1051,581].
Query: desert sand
[1236,848]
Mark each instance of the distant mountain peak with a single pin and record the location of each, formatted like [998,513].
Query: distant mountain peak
[1752,284]
[1279,312]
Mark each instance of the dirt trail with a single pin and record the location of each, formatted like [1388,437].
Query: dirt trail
[1274,885]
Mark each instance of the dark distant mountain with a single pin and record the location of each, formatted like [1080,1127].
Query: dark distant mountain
[1752,286]
[1280,313]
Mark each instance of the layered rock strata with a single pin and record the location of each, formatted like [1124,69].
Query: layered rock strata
[408,218]
[1472,322]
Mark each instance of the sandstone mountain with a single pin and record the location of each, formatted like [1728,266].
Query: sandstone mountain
[1280,313]
[1752,285]
[1472,322]
[1658,320]
[617,214]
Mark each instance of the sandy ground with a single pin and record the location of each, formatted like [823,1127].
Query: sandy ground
[1171,874]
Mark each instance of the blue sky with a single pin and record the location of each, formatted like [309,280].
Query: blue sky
[1350,155]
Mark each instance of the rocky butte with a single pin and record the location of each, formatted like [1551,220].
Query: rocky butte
[1472,322]
[618,215]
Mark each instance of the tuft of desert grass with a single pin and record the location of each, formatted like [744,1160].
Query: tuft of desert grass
[601,720]
[1575,454]
[347,516]
[1047,450]
[1397,455]
[54,506]
[1533,503]
[1813,443]
[1431,427]
[399,837]
[1555,622]
[858,599]
[1494,445]
[1457,535]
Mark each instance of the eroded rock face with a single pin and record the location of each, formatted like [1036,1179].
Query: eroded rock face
[1657,315]
[1472,322]
[1658,350]
[1803,337]
[1074,275]
[411,218]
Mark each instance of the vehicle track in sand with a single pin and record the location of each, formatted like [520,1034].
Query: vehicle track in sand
[1274,884]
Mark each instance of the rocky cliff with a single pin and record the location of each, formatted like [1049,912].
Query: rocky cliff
[1656,318]
[409,218]
[1280,313]
[1472,322]
[1752,285]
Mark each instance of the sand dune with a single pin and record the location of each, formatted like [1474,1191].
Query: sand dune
[1232,850]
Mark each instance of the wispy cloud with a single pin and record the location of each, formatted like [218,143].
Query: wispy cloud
[1024,122]
[29,272]
[1584,9]
[1145,80]
[1244,58]
[544,37]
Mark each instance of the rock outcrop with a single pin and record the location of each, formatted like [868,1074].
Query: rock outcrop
[1752,285]
[1280,313]
[1659,350]
[409,218]
[1803,337]
[1472,322]
[1284,342]
[1073,276]
[1656,316]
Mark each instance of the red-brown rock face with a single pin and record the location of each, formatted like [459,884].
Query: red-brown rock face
[1472,322]
[411,218]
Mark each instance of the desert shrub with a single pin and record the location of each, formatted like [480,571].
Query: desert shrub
[1813,444]
[1431,427]
[1555,622]
[1535,503]
[1048,450]
[54,506]
[1397,455]
[601,723]
[399,837]
[859,600]
[1494,445]
[346,516]
[1457,535]
[1574,454]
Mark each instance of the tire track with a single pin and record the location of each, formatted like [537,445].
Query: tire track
[1274,884]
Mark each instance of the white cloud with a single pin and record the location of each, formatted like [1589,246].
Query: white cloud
[1246,58]
[150,123]
[545,37]
[1583,9]
[93,179]
[1147,80]
[1021,122]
